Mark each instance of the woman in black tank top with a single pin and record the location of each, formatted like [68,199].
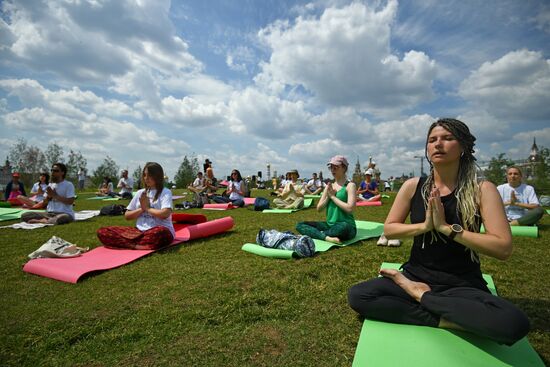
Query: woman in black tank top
[443,276]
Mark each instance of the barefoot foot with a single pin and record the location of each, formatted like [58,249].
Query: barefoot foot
[332,239]
[414,289]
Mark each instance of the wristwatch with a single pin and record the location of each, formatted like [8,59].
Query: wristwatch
[455,229]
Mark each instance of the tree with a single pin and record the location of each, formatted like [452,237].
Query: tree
[75,163]
[54,154]
[26,159]
[541,180]
[496,172]
[187,171]
[16,155]
[108,168]
[137,176]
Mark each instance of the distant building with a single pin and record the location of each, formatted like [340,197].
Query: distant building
[529,165]
[357,174]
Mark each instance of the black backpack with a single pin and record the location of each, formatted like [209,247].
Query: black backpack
[261,204]
[114,209]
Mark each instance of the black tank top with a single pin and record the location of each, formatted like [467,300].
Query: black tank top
[440,260]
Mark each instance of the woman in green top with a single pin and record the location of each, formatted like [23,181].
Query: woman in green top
[339,199]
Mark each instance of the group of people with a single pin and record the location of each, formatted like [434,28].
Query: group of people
[440,285]
[125,184]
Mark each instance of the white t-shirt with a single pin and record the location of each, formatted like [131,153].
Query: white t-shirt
[234,194]
[34,190]
[66,190]
[147,221]
[314,184]
[129,182]
[199,182]
[524,194]
[81,176]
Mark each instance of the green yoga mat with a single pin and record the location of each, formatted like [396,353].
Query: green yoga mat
[309,196]
[13,213]
[385,196]
[307,204]
[520,231]
[386,344]
[547,211]
[365,230]
[96,198]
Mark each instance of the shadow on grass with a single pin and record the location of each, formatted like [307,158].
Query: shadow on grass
[537,310]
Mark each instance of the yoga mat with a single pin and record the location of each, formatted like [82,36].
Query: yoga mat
[13,213]
[307,204]
[177,197]
[249,201]
[520,231]
[225,206]
[365,230]
[102,258]
[309,196]
[96,198]
[112,199]
[547,211]
[387,344]
[368,203]
[385,196]
[205,229]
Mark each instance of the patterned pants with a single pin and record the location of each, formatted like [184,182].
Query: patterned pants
[133,238]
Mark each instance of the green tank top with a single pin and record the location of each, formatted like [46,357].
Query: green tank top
[335,214]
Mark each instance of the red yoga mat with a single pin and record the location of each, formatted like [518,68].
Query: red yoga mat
[224,206]
[368,203]
[70,270]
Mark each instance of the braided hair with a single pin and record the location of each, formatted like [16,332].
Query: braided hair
[467,190]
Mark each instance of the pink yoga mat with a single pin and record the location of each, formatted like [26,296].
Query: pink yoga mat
[368,203]
[225,206]
[70,270]
[249,201]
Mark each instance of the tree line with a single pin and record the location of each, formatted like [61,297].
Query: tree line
[30,161]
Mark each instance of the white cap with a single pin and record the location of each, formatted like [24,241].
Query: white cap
[369,172]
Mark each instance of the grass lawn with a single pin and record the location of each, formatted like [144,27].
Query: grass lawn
[207,303]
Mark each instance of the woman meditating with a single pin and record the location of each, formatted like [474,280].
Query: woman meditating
[152,207]
[38,191]
[106,188]
[339,200]
[235,190]
[441,285]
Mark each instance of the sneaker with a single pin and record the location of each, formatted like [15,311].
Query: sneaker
[382,241]
[394,243]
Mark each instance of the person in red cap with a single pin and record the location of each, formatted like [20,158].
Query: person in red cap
[339,200]
[14,188]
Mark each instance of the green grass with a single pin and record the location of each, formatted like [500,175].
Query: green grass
[207,303]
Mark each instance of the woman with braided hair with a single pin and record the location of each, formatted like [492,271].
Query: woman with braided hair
[441,285]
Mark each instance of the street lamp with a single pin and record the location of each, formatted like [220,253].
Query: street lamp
[421,164]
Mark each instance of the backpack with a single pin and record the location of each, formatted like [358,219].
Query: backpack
[261,204]
[114,209]
[303,246]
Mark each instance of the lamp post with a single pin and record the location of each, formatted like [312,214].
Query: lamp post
[421,164]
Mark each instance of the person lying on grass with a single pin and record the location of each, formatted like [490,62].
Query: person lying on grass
[339,200]
[152,209]
[441,285]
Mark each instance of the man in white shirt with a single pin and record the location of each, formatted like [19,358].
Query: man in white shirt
[520,201]
[314,186]
[199,184]
[59,197]
[126,185]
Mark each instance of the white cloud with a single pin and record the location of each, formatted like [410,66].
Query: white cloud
[515,87]
[344,58]
[268,116]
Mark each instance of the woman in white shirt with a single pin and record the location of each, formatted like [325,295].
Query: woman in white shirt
[38,190]
[152,209]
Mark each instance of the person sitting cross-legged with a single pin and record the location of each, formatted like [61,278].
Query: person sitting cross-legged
[314,186]
[520,201]
[58,200]
[292,196]
[152,209]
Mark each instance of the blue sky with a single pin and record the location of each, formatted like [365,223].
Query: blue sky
[290,83]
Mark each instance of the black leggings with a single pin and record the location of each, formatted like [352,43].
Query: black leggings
[472,309]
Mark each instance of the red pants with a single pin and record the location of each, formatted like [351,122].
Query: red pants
[133,238]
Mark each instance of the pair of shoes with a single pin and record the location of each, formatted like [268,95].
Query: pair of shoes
[394,243]
[382,241]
